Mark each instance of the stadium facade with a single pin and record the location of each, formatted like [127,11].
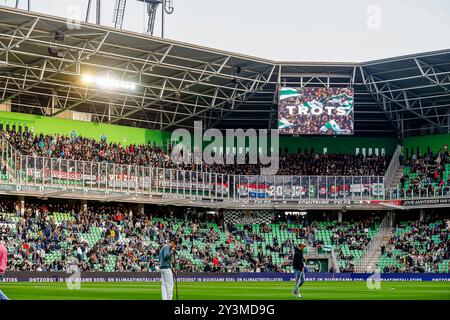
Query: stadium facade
[401,111]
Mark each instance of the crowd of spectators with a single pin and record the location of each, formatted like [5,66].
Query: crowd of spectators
[122,234]
[426,174]
[420,248]
[313,164]
[132,238]
[76,147]
[130,241]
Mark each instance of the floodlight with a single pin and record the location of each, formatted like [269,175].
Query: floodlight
[108,83]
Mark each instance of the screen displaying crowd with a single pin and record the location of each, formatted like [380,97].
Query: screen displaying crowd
[317,111]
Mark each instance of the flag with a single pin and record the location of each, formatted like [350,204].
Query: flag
[348,106]
[349,97]
[312,104]
[286,93]
[335,99]
[331,125]
[284,123]
[338,98]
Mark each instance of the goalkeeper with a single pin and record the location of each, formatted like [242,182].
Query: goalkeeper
[299,268]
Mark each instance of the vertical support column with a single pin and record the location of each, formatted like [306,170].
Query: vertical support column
[22,204]
[162,18]
[54,101]
[448,120]
[340,216]
[422,215]
[98,12]
[141,208]
[88,11]
[110,105]
[84,205]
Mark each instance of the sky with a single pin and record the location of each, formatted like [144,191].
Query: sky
[288,30]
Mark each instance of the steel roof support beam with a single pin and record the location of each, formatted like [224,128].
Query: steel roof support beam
[400,98]
[62,66]
[236,97]
[234,107]
[218,94]
[385,107]
[28,26]
[175,89]
[434,75]
[75,93]
[225,71]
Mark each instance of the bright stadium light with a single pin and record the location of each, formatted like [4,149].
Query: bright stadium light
[108,83]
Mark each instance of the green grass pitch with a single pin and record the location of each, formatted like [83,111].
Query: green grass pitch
[230,291]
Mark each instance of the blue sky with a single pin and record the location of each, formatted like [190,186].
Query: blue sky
[294,30]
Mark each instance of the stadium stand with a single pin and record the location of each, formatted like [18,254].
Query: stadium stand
[75,147]
[49,237]
[315,164]
[418,247]
[274,239]
[426,174]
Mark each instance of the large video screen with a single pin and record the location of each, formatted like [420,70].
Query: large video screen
[318,111]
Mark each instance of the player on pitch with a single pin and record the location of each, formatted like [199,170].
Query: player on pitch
[165,267]
[299,268]
[3,259]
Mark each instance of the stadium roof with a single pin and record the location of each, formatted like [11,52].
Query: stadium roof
[43,59]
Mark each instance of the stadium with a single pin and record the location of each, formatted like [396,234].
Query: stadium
[116,144]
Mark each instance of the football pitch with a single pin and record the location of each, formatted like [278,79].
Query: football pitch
[229,291]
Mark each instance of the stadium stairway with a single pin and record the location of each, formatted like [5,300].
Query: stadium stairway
[371,256]
[375,257]
[398,174]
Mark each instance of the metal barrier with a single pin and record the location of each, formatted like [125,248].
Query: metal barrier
[427,191]
[87,176]
[115,179]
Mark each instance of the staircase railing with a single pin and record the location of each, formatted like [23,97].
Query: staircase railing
[393,165]
[375,243]
[9,157]
[335,262]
